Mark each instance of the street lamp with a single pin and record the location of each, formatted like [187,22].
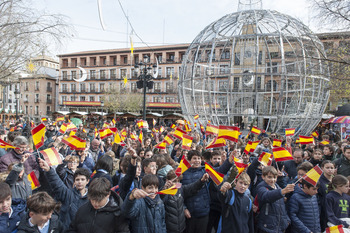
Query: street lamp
[17,97]
[147,72]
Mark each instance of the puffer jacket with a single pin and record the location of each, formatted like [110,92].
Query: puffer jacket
[343,166]
[304,213]
[54,227]
[71,199]
[20,187]
[108,219]
[174,207]
[273,217]
[9,224]
[146,215]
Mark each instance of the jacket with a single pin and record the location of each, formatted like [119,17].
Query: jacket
[70,198]
[66,175]
[108,219]
[273,217]
[12,157]
[54,227]
[87,164]
[304,212]
[9,224]
[20,188]
[146,215]
[343,166]
[322,202]
[129,181]
[174,206]
[338,207]
[290,167]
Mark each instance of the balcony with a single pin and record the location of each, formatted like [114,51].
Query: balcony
[49,101]
[49,89]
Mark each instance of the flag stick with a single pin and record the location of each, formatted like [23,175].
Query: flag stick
[298,180]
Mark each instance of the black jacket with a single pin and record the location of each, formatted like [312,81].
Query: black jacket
[174,207]
[54,227]
[104,220]
[343,166]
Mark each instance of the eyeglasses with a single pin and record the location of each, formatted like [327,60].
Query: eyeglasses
[153,166]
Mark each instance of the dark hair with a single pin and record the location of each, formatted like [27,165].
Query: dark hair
[192,153]
[215,153]
[325,162]
[5,191]
[148,150]
[105,162]
[299,150]
[81,172]
[337,181]
[306,184]
[146,162]
[99,188]
[347,147]
[269,169]
[150,179]
[207,155]
[305,166]
[331,148]
[42,203]
[171,175]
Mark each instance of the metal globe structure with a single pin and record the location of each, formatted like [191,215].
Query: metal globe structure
[259,67]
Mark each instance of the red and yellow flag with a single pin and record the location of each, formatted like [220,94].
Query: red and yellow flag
[324,142]
[75,143]
[196,116]
[240,165]
[315,134]
[6,145]
[161,129]
[290,131]
[133,136]
[61,118]
[277,143]
[161,145]
[72,133]
[256,130]
[113,122]
[335,229]
[265,159]
[216,143]
[254,145]
[71,126]
[306,140]
[142,124]
[63,128]
[186,142]
[214,175]
[169,139]
[230,133]
[173,126]
[33,180]
[154,122]
[179,133]
[280,154]
[183,166]
[170,191]
[247,147]
[51,156]
[95,133]
[117,138]
[141,137]
[212,129]
[106,132]
[43,119]
[313,175]
[38,134]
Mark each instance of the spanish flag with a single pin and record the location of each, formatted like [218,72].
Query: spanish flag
[161,129]
[290,132]
[230,133]
[240,165]
[113,122]
[247,147]
[280,154]
[133,136]
[254,145]
[105,133]
[141,137]
[306,140]
[43,119]
[183,166]
[265,159]
[63,128]
[105,125]
[75,143]
[216,143]
[61,118]
[313,175]
[196,117]
[173,126]
[95,133]
[170,191]
[72,133]
[33,180]
[6,145]
[186,142]
[161,145]
[335,229]
[212,129]
[154,122]
[71,126]
[123,134]
[256,130]
[214,175]
[179,133]
[277,143]
[188,128]
[142,124]
[315,134]
[38,134]
[169,139]
[51,156]
[117,139]
[324,142]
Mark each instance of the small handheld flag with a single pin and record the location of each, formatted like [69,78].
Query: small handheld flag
[33,180]
[161,145]
[212,129]
[290,132]
[216,142]
[6,145]
[335,229]
[38,135]
[183,166]
[214,175]
[256,130]
[306,140]
[313,175]
[196,117]
[186,142]
[280,154]
[277,143]
[265,159]
[51,156]
[171,191]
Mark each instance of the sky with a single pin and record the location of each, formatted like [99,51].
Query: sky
[156,22]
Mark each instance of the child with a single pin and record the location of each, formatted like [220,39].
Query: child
[66,170]
[40,215]
[264,146]
[11,210]
[237,213]
[272,216]
[317,157]
[303,209]
[144,207]
[328,169]
[338,201]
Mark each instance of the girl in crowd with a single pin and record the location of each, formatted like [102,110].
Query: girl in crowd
[264,146]
[316,158]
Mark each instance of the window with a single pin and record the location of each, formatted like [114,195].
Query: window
[82,87]
[103,61]
[159,57]
[223,85]
[122,88]
[73,87]
[48,87]
[102,74]
[159,72]
[258,83]
[36,98]
[112,74]
[274,55]
[48,99]
[26,98]
[133,87]
[36,110]
[82,98]
[92,74]
[102,87]
[26,111]
[169,99]
[274,67]
[26,86]
[157,87]
[92,87]
[64,75]
[37,86]
[236,83]
[290,68]
[64,87]
[48,110]
[225,54]
[169,87]
[91,98]
[83,61]
[224,69]
[170,72]
[74,74]
[125,60]
[72,98]
[122,73]
[92,61]
[260,58]
[114,59]
[237,59]
[157,99]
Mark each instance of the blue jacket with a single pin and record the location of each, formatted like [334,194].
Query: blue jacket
[87,164]
[304,213]
[273,217]
[146,215]
[338,207]
[7,224]
[71,199]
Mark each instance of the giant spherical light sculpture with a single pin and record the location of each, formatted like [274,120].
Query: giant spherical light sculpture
[256,66]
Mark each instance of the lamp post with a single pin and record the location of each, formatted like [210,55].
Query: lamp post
[147,72]
[17,97]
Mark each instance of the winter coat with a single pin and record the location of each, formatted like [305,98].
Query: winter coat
[322,201]
[164,171]
[87,164]
[261,148]
[338,207]
[146,215]
[20,188]
[199,204]
[108,219]
[290,167]
[174,207]
[272,217]
[12,157]
[9,224]
[66,175]
[304,212]
[102,173]
[70,198]
[54,227]
[343,166]
[129,181]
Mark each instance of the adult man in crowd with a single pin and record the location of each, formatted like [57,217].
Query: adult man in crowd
[343,164]
[290,166]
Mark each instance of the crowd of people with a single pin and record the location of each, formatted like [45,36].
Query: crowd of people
[114,187]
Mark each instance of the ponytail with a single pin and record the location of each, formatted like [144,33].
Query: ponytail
[337,181]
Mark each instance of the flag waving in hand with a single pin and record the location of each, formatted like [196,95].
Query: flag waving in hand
[214,175]
[38,134]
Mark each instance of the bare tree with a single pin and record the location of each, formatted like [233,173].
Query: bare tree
[117,101]
[25,32]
